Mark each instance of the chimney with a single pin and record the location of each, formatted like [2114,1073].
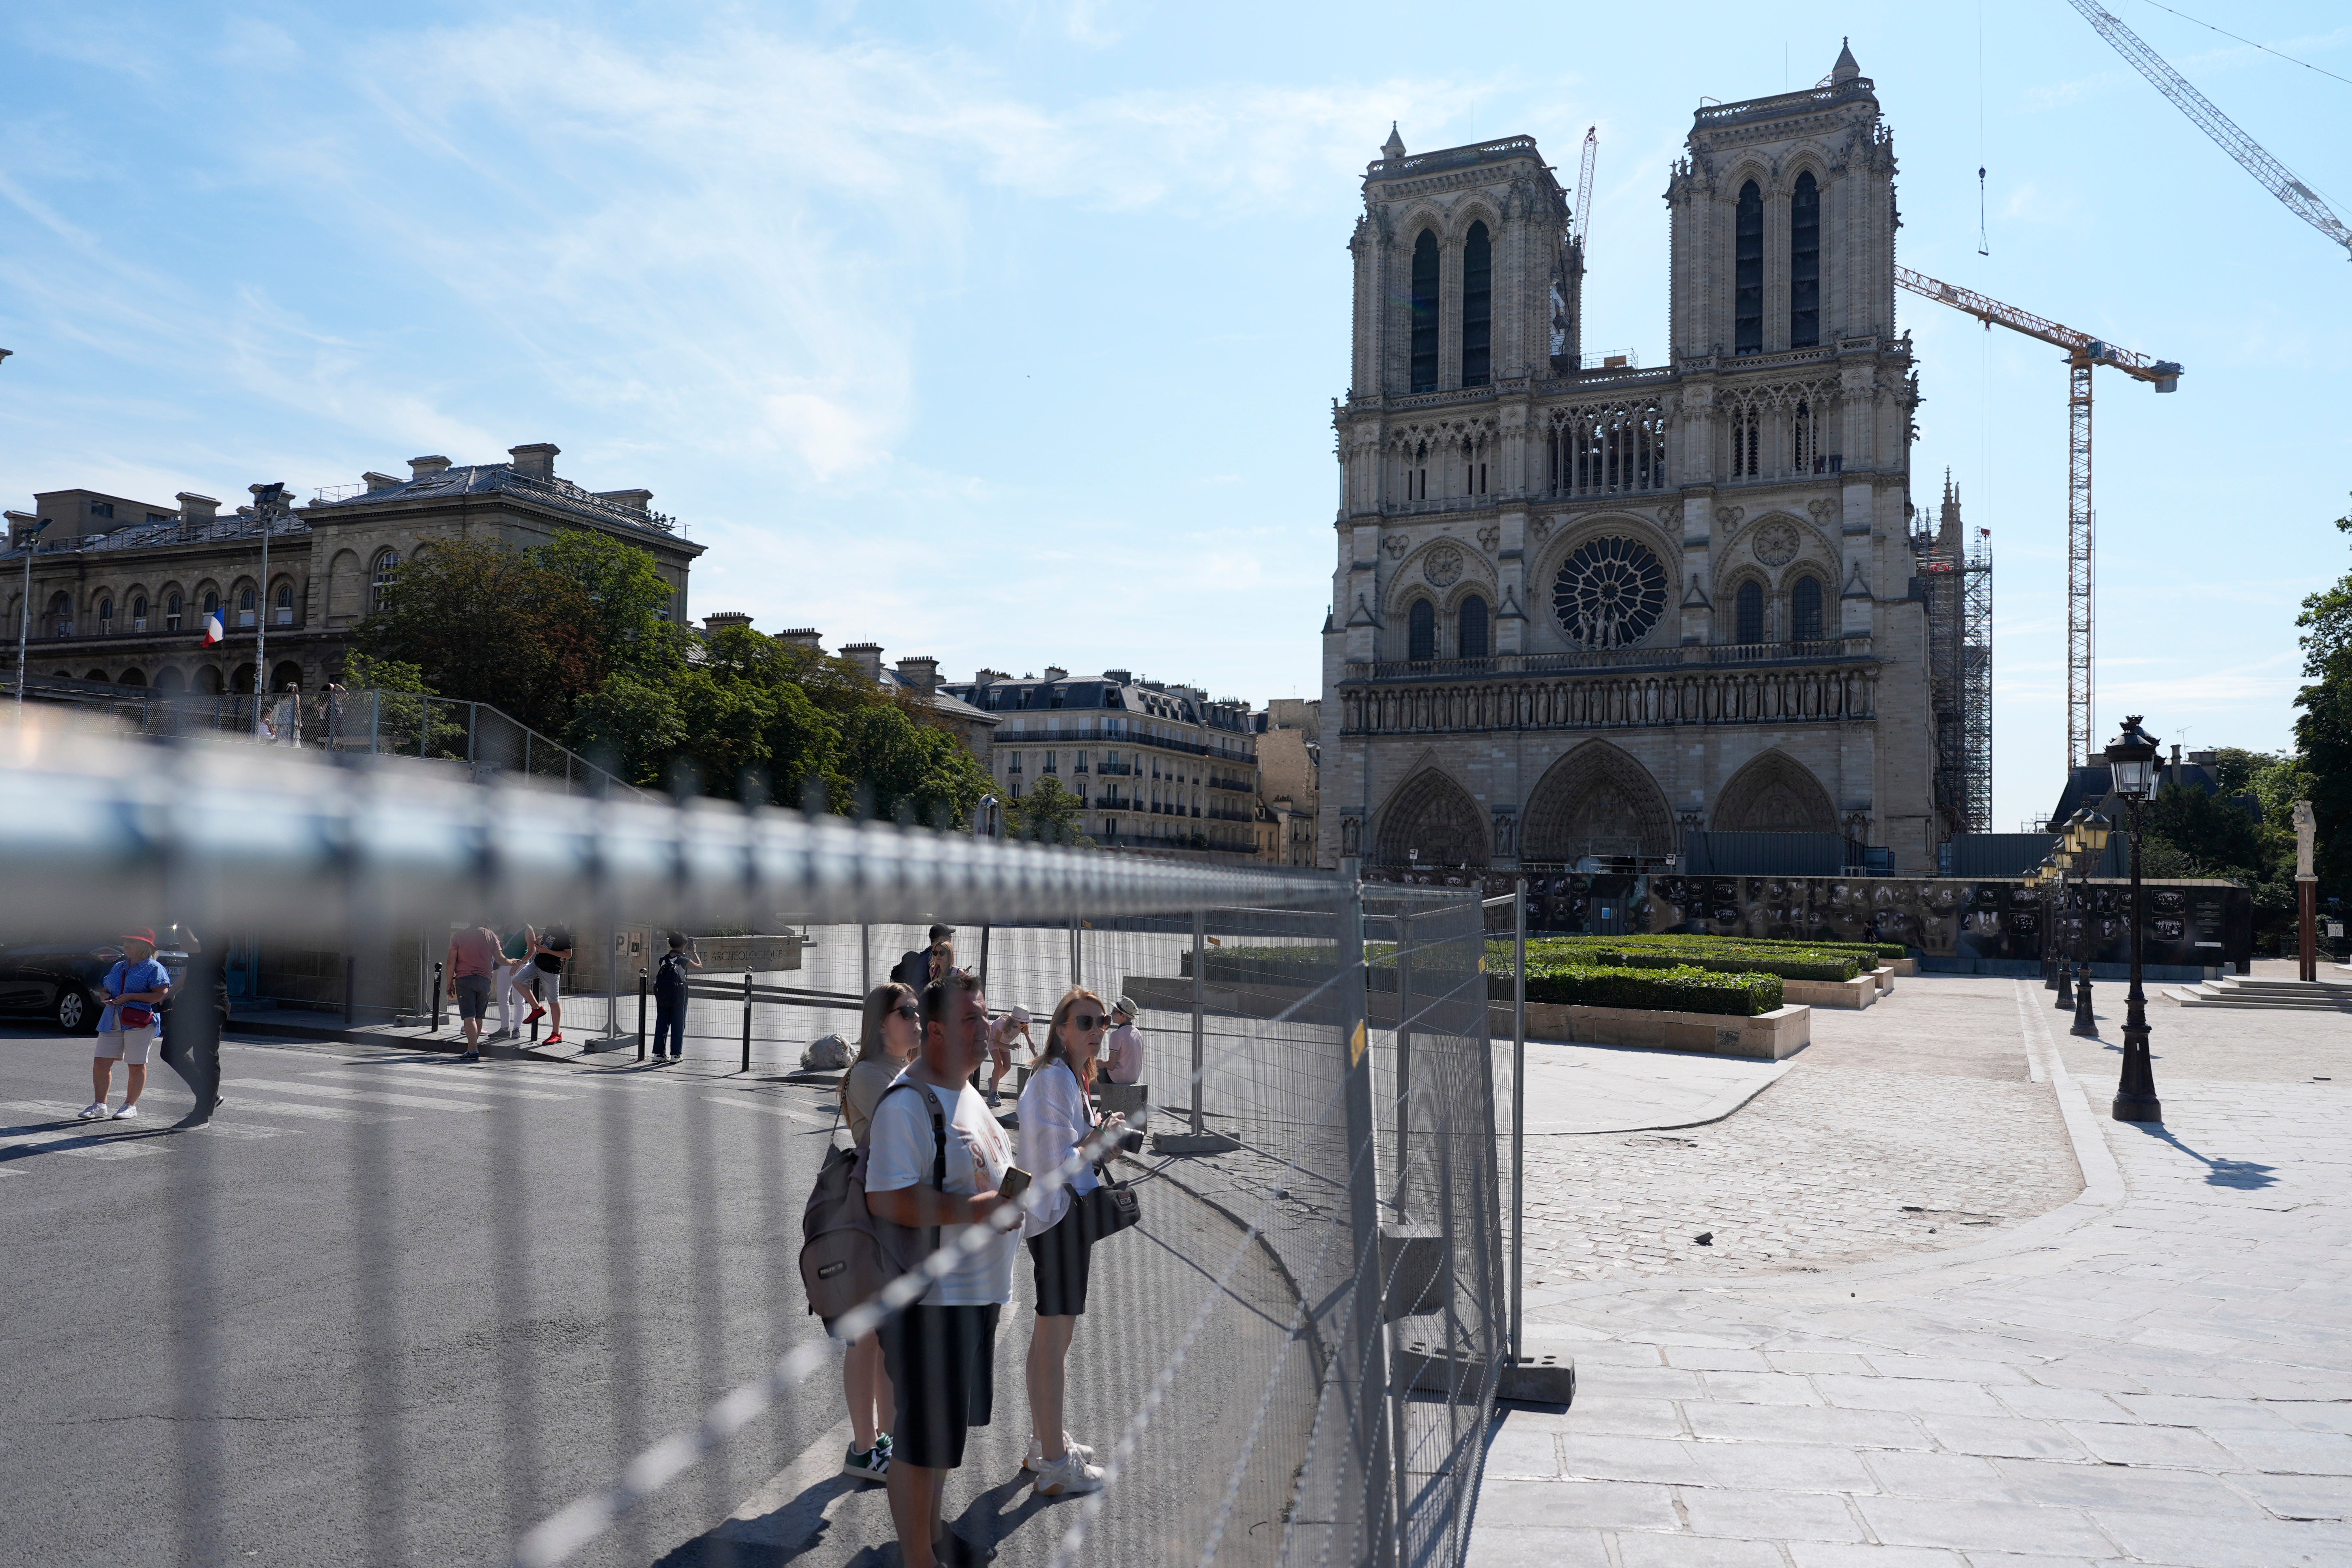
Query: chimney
[1055,673]
[376,482]
[635,501]
[720,620]
[802,636]
[536,461]
[195,508]
[866,657]
[922,674]
[426,468]
[1120,677]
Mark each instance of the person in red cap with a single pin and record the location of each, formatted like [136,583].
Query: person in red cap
[134,988]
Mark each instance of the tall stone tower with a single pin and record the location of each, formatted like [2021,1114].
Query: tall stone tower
[1578,613]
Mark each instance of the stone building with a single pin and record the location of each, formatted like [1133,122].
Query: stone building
[1289,780]
[121,588]
[1580,612]
[1156,766]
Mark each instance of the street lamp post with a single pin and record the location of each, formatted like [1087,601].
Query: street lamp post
[2132,758]
[31,537]
[2091,835]
[266,500]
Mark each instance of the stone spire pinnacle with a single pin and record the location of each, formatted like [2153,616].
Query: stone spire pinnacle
[1394,148]
[1947,530]
[1845,70]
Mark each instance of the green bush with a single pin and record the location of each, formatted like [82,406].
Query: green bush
[1684,989]
[1721,958]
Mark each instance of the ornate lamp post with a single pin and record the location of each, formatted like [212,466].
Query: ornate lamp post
[2132,757]
[2090,833]
[2040,879]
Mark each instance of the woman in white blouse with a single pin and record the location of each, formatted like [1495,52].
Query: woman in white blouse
[1058,1133]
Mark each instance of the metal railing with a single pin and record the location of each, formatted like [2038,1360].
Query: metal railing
[1827,649]
[1305,1352]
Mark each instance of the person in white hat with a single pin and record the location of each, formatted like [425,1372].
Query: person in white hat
[1014,1021]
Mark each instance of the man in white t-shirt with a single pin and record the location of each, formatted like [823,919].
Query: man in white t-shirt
[941,1352]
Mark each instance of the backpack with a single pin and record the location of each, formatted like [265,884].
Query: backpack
[913,970]
[847,1255]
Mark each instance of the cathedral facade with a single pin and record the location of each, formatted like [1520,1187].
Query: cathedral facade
[1578,612]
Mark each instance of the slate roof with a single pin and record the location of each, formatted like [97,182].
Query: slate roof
[505,479]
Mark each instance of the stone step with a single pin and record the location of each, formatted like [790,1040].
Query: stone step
[2309,1001]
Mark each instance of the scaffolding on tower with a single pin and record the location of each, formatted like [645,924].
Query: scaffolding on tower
[1956,581]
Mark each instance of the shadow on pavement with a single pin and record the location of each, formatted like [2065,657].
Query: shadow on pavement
[2245,1174]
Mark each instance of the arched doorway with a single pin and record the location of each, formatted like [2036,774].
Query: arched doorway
[208,680]
[284,675]
[1431,821]
[131,677]
[1597,800]
[1774,793]
[171,683]
[241,683]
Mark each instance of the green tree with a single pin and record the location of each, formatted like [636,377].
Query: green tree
[917,765]
[628,598]
[630,725]
[363,673]
[1048,814]
[483,623]
[2323,733]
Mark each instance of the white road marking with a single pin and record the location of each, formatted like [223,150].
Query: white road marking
[444,1078]
[242,1103]
[770,1110]
[92,1147]
[377,1097]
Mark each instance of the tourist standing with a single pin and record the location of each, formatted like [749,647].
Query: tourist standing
[670,993]
[1001,1035]
[191,1019]
[940,1353]
[891,1032]
[1123,1049]
[554,951]
[134,988]
[1058,1133]
[921,965]
[515,970]
[474,961]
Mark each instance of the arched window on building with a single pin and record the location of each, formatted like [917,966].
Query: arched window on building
[1748,619]
[171,610]
[1473,621]
[139,614]
[1805,610]
[284,616]
[105,616]
[1421,632]
[1805,264]
[1805,439]
[1747,273]
[1423,312]
[212,604]
[1477,307]
[380,573]
[61,616]
[245,607]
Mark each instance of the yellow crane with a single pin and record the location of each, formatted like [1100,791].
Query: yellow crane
[2083,354]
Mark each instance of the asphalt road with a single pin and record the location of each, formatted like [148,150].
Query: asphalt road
[392,1309]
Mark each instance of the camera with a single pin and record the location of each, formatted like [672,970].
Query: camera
[1130,1143]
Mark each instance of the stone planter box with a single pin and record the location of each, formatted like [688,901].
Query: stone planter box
[1859,992]
[1901,965]
[1771,1036]
[1886,978]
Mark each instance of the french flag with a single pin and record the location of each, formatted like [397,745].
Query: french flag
[215,633]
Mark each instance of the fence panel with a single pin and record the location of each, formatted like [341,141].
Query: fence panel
[579,1336]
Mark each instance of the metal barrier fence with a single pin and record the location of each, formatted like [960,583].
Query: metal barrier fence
[572,1330]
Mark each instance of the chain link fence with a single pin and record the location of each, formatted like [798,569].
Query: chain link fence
[1292,1361]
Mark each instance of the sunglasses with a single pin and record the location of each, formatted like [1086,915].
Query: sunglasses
[908,1010]
[1088,1020]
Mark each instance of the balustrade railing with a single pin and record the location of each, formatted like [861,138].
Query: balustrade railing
[1764,653]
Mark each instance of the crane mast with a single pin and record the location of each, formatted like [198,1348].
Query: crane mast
[1583,222]
[2299,198]
[2083,354]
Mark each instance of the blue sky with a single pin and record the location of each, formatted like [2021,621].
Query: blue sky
[1007,333]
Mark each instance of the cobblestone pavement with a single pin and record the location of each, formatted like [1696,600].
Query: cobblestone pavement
[1911,1126]
[2158,1371]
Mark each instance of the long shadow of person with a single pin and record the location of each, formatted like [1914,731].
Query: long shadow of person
[2245,1175]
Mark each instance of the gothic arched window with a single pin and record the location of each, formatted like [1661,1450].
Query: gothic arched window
[1805,611]
[171,613]
[1473,621]
[1748,619]
[1747,273]
[1804,264]
[1423,312]
[1477,307]
[1421,632]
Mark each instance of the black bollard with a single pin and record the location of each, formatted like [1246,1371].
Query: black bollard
[747,1020]
[641,1014]
[436,999]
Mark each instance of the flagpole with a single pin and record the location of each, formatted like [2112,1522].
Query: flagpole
[266,500]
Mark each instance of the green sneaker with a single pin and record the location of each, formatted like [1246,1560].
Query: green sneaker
[866,1465]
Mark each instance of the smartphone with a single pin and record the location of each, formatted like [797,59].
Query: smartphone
[1015,1183]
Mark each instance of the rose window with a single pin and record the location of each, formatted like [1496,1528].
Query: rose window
[1609,594]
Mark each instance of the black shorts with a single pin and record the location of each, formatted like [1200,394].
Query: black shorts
[942,1366]
[473,995]
[1061,1256]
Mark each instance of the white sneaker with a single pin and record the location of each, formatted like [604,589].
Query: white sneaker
[128,1114]
[94,1112]
[1068,1477]
[1070,1445]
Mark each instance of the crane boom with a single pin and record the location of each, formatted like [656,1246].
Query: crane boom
[2082,353]
[2299,198]
[1584,186]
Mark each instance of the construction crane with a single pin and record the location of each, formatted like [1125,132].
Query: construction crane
[2084,352]
[1581,226]
[2300,199]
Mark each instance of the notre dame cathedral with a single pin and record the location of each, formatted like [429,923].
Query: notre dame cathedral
[1580,610]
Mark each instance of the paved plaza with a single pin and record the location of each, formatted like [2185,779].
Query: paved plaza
[1953,1315]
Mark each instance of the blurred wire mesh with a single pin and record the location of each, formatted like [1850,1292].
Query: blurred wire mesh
[1292,1361]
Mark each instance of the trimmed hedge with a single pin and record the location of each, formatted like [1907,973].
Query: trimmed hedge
[1803,964]
[1682,989]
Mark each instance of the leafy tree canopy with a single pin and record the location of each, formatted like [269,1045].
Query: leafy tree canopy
[1047,813]
[2323,733]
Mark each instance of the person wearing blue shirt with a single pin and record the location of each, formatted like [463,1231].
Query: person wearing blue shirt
[134,988]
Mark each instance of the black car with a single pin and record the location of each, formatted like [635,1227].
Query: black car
[65,981]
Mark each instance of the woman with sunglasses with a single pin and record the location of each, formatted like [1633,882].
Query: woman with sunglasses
[1058,1133]
[889,1038]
